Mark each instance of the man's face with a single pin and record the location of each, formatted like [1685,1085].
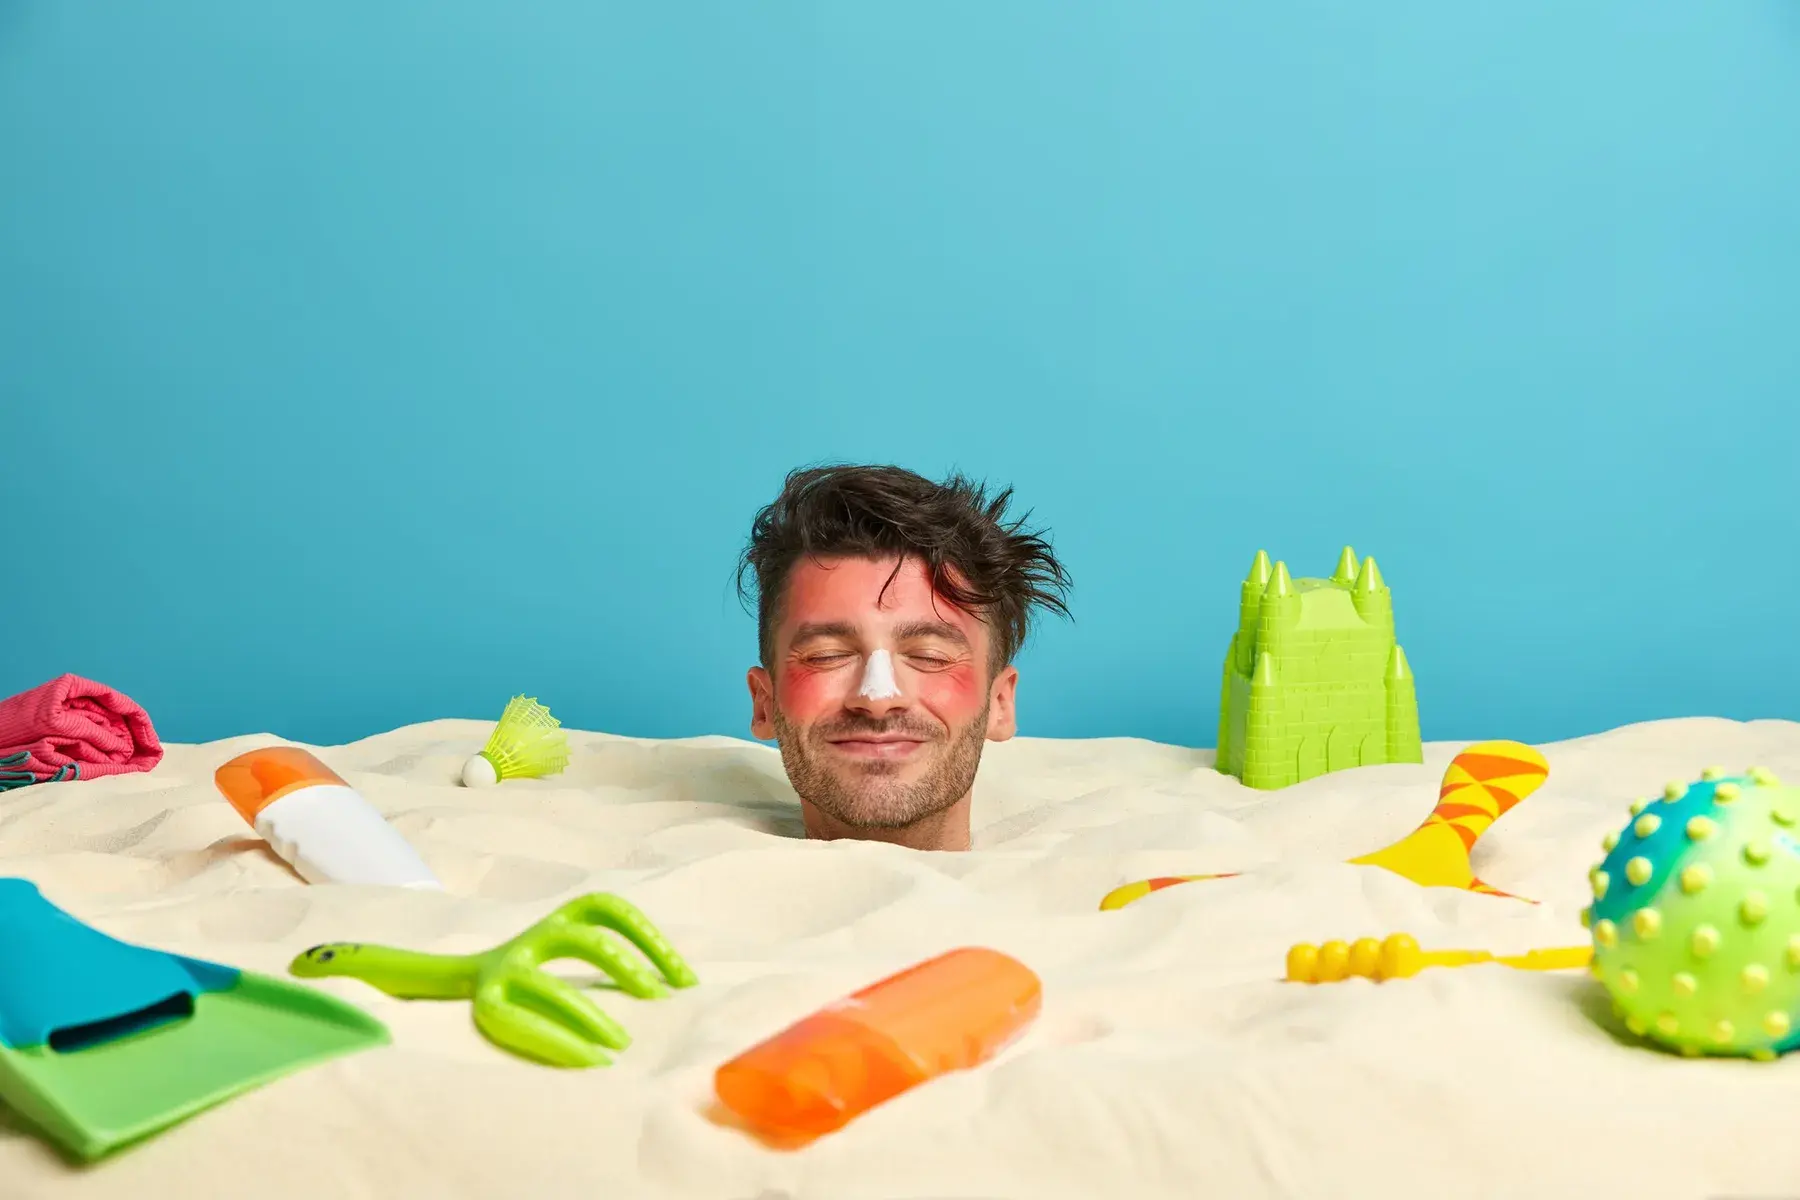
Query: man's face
[879,692]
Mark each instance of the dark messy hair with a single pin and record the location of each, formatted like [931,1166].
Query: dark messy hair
[976,558]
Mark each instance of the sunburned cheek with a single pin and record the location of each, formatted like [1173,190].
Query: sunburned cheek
[955,689]
[802,689]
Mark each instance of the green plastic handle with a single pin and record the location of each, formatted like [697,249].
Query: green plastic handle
[517,1004]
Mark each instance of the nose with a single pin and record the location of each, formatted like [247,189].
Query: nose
[878,692]
[876,706]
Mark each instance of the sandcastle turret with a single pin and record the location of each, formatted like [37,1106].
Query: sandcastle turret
[1314,679]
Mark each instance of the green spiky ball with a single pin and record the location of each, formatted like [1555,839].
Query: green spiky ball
[1696,916]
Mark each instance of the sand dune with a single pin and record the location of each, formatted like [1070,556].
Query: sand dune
[1169,1060]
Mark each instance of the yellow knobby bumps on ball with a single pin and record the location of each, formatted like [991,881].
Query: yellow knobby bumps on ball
[1696,916]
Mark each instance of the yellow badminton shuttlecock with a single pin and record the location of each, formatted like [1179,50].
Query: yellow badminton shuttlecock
[528,743]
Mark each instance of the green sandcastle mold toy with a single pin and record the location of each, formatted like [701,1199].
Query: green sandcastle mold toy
[1314,680]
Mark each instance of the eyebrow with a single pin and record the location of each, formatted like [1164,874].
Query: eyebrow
[815,630]
[931,629]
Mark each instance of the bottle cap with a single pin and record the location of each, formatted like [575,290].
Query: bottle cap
[253,781]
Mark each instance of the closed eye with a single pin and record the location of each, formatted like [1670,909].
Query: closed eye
[929,662]
[827,659]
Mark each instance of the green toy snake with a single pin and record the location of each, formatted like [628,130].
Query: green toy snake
[518,1005]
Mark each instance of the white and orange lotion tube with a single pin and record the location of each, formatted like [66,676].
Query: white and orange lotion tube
[321,825]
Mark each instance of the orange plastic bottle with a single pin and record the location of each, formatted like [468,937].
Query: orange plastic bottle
[946,1014]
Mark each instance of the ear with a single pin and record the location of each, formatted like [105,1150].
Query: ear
[1003,717]
[762,704]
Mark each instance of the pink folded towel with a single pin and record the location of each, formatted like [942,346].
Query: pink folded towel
[73,728]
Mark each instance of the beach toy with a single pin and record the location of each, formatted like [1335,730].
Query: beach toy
[1695,923]
[1314,680]
[1696,916]
[1480,786]
[948,1013]
[518,1005]
[318,823]
[528,743]
[1398,956]
[103,1043]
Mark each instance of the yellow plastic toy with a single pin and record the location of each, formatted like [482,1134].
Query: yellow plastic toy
[1398,957]
[1480,786]
[1695,925]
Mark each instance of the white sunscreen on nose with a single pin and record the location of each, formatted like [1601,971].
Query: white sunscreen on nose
[878,678]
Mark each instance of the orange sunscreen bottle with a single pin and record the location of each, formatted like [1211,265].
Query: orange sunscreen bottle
[948,1013]
[321,825]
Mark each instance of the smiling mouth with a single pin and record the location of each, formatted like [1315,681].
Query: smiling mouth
[883,747]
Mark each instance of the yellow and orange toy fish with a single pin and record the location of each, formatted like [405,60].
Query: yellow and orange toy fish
[1480,786]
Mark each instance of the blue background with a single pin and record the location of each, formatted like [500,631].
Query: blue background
[365,364]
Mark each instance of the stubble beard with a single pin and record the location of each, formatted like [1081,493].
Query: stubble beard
[872,795]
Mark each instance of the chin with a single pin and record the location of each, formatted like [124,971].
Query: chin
[875,769]
[874,818]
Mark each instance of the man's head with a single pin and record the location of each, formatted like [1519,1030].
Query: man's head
[889,609]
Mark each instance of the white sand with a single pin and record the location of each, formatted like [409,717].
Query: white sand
[1169,1059]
